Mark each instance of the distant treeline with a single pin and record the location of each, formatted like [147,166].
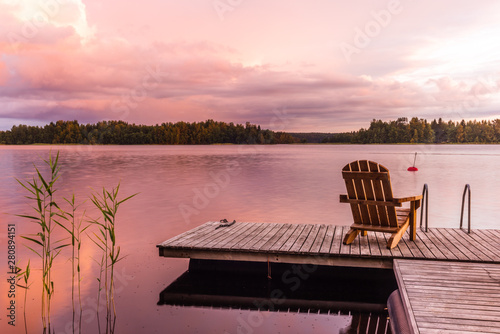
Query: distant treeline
[311,137]
[421,131]
[122,133]
[210,132]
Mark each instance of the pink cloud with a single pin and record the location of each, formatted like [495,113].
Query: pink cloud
[142,69]
[4,73]
[105,80]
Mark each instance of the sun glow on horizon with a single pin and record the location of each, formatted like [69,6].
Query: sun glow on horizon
[53,13]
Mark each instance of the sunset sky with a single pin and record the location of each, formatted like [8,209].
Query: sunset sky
[324,65]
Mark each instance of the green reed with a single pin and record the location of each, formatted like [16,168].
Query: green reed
[107,203]
[25,276]
[76,242]
[49,215]
[41,192]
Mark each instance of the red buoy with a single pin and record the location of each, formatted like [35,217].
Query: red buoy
[413,168]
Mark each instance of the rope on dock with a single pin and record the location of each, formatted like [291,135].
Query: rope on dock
[225,223]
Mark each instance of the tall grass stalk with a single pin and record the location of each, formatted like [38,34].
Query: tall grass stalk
[79,243]
[25,276]
[107,203]
[41,191]
[75,230]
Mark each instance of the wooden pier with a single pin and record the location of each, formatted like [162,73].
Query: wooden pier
[450,297]
[449,280]
[322,245]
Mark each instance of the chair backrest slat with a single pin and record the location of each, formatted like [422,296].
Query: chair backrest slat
[351,193]
[379,196]
[370,181]
[391,211]
[369,192]
[360,193]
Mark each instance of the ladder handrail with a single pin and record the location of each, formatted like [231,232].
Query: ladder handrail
[467,188]
[425,205]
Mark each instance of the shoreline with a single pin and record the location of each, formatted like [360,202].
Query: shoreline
[233,144]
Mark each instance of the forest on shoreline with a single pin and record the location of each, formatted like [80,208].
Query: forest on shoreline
[401,131]
[421,131]
[123,133]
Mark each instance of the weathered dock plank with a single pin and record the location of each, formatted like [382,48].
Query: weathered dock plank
[261,234]
[215,239]
[442,244]
[405,250]
[327,241]
[382,245]
[343,249]
[486,249]
[270,231]
[295,248]
[434,251]
[238,241]
[446,297]
[453,239]
[412,246]
[320,238]
[190,236]
[355,247]
[337,240]
[292,239]
[374,244]
[364,247]
[279,234]
[284,238]
[490,238]
[423,248]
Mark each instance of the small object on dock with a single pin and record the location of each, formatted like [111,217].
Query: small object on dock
[225,223]
[413,168]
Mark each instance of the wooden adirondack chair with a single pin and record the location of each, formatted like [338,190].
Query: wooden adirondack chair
[373,206]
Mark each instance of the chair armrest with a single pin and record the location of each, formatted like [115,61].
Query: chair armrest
[394,202]
[415,201]
[408,199]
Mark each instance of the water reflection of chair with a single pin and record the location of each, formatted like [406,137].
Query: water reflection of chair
[373,206]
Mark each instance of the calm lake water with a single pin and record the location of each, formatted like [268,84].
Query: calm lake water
[181,187]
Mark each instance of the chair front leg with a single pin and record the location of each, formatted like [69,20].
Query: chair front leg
[413,219]
[350,236]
